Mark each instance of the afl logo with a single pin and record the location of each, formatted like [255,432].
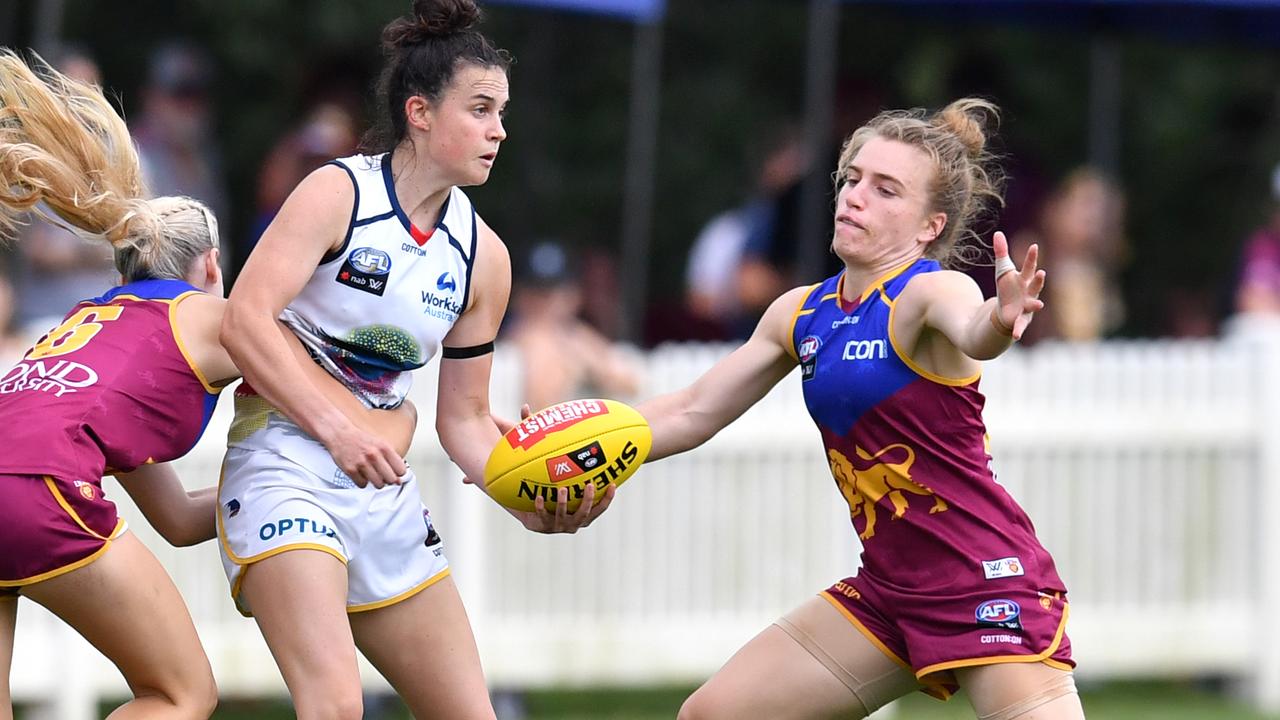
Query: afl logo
[370,261]
[999,613]
[808,352]
[809,347]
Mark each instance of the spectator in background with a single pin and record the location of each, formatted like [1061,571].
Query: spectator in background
[174,132]
[563,356]
[12,342]
[1258,290]
[717,287]
[55,269]
[1081,233]
[328,132]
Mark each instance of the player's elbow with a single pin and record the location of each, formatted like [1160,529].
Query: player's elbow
[231,330]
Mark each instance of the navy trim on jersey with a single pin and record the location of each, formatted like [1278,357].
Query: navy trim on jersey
[154,289]
[351,224]
[376,218]
[470,261]
[390,183]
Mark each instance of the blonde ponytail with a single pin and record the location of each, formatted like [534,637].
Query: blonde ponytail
[66,155]
[967,178]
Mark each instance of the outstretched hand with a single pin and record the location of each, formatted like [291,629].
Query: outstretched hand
[1017,291]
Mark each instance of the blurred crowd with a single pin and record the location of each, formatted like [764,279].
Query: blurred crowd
[566,316]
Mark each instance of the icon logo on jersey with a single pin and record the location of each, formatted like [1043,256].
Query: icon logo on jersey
[1002,568]
[999,613]
[86,490]
[865,350]
[233,507]
[808,351]
[575,463]
[366,269]
[866,479]
[446,282]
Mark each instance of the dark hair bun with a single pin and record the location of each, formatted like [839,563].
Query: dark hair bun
[431,18]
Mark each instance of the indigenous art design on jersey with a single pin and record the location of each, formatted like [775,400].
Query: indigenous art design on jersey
[379,306]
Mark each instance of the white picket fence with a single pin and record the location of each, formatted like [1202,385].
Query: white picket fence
[1149,469]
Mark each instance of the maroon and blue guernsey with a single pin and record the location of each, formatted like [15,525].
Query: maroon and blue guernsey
[952,573]
[108,390]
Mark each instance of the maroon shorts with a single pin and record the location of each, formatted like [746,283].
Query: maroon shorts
[50,526]
[934,635]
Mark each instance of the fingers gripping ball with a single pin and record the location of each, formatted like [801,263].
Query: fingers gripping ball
[570,445]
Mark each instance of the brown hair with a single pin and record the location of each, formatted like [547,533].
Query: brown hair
[66,155]
[423,51]
[965,175]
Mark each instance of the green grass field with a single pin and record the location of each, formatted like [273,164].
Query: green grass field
[1111,701]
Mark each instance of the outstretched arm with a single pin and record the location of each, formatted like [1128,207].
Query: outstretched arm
[952,304]
[686,418]
[182,518]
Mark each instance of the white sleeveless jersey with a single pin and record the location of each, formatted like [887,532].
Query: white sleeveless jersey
[380,305]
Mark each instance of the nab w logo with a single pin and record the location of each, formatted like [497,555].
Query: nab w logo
[446,282]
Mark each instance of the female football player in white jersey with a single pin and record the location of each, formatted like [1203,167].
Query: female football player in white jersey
[375,262]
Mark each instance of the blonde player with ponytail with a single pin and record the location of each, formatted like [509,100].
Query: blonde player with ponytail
[955,590]
[124,384]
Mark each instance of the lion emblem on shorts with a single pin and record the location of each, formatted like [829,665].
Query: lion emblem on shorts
[869,479]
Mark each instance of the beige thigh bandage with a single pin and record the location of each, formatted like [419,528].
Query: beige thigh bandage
[875,679]
[1056,687]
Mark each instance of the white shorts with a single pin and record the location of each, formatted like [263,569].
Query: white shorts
[269,504]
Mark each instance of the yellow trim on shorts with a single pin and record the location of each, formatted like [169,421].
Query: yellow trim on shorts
[246,562]
[182,348]
[48,575]
[57,495]
[1043,657]
[940,379]
[791,335]
[935,690]
[826,595]
[1057,665]
[366,607]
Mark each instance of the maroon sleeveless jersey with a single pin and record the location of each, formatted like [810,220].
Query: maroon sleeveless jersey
[108,390]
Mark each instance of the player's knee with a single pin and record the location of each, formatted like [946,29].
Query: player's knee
[334,703]
[203,698]
[194,697]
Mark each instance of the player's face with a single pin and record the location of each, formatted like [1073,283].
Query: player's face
[466,125]
[882,208]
